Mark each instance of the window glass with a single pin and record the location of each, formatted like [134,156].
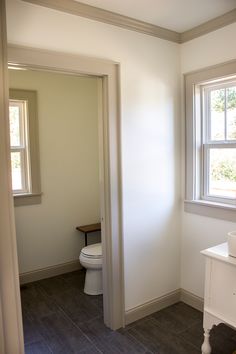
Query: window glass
[14,114]
[217,114]
[231,113]
[222,174]
[16,166]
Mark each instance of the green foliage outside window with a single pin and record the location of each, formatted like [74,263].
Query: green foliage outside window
[224,170]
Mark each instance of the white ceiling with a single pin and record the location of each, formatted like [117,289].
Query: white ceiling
[177,15]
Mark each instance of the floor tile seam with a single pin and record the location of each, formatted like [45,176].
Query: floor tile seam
[44,292]
[91,319]
[131,326]
[178,332]
[139,342]
[190,343]
[110,335]
[74,324]
[77,327]
[177,335]
[41,341]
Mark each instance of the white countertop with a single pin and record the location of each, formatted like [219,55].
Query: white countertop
[220,252]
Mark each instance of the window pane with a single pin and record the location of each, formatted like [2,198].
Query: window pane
[217,108]
[14,113]
[222,179]
[231,113]
[16,170]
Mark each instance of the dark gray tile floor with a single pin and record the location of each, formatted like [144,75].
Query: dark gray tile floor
[59,318]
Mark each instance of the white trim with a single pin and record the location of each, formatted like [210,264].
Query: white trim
[209,26]
[49,272]
[152,306]
[210,209]
[192,300]
[115,19]
[10,312]
[162,302]
[112,18]
[110,165]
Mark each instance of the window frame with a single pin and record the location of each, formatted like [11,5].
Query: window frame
[208,143]
[23,147]
[33,194]
[194,153]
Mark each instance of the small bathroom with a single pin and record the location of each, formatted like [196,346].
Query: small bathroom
[58,227]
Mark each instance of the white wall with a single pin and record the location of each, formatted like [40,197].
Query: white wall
[68,142]
[150,135]
[200,232]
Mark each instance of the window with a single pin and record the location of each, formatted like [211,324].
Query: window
[211,142]
[219,142]
[19,147]
[24,147]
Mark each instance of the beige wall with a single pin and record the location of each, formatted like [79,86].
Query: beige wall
[68,138]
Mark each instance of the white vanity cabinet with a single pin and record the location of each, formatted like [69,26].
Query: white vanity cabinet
[220,291]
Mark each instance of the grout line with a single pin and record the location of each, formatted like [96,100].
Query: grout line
[140,343]
[75,324]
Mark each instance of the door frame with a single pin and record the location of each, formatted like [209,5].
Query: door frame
[110,172]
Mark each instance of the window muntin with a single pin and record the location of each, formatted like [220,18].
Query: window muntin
[219,142]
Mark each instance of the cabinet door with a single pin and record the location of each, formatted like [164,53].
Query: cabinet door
[222,299]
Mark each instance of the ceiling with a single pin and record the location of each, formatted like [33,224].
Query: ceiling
[176,15]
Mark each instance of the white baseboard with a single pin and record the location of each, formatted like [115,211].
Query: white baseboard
[160,303]
[192,300]
[49,272]
[152,306]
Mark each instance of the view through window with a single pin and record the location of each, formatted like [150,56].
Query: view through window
[219,141]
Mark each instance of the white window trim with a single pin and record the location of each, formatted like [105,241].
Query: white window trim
[193,201]
[33,195]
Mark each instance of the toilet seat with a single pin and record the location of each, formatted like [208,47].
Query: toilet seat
[92,251]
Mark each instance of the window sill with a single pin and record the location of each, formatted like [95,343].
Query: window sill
[211,209]
[27,199]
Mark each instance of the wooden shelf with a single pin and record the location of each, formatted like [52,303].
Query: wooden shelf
[87,229]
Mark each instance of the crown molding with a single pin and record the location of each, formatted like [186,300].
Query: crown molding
[209,26]
[94,13]
[112,18]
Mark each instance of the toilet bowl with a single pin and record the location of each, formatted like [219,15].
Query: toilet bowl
[91,259]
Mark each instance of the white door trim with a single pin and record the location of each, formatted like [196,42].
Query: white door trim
[11,334]
[110,162]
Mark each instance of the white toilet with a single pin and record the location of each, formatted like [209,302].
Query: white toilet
[91,259]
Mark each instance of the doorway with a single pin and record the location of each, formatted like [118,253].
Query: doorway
[109,150]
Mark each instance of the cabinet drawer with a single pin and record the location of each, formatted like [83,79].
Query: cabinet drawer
[222,289]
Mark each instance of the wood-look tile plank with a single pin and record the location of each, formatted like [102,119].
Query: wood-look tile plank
[108,341]
[177,318]
[31,333]
[79,307]
[62,336]
[37,348]
[159,340]
[193,335]
[75,279]
[60,319]
[52,286]
[35,303]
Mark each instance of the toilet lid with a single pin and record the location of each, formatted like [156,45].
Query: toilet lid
[94,250]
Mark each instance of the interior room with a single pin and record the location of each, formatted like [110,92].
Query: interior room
[135,136]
